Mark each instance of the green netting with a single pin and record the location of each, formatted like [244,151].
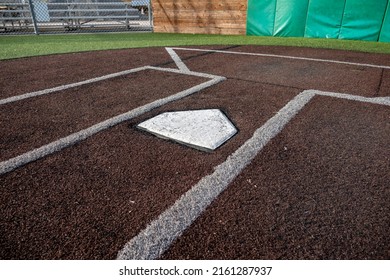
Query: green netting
[345,19]
[385,32]
[362,19]
[290,18]
[261,17]
[324,18]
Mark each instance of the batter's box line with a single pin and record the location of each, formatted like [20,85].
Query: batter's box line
[98,79]
[182,69]
[157,237]
[18,161]
[286,57]
[374,100]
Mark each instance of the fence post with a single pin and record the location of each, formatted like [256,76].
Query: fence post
[34,20]
[150,14]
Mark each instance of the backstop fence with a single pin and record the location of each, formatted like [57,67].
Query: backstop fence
[59,16]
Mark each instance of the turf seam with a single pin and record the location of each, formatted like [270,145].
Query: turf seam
[264,83]
[194,56]
[380,83]
[208,53]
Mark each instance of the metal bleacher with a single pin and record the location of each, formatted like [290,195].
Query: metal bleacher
[73,15]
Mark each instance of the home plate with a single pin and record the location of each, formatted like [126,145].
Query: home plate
[205,130]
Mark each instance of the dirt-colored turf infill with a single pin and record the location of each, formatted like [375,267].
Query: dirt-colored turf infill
[41,120]
[18,76]
[87,201]
[298,74]
[319,190]
[326,75]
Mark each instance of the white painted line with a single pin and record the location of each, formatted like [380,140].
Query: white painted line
[156,238]
[373,100]
[179,63]
[197,74]
[102,78]
[287,57]
[63,87]
[160,233]
[13,163]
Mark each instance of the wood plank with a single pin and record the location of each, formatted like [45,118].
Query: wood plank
[194,2]
[197,30]
[200,16]
[197,18]
[215,6]
[192,24]
[206,25]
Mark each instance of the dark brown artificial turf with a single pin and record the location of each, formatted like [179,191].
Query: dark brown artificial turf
[89,200]
[24,75]
[301,74]
[46,118]
[319,190]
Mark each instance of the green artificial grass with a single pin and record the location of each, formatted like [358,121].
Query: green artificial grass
[33,45]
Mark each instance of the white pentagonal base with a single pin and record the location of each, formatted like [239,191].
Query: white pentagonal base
[201,129]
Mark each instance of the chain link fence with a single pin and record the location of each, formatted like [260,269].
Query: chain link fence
[59,16]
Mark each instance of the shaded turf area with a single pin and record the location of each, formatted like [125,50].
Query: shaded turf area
[319,190]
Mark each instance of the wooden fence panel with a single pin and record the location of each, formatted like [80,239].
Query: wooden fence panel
[200,16]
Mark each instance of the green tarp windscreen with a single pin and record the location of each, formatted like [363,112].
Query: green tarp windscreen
[344,19]
[290,18]
[262,18]
[324,18]
[363,19]
[385,30]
